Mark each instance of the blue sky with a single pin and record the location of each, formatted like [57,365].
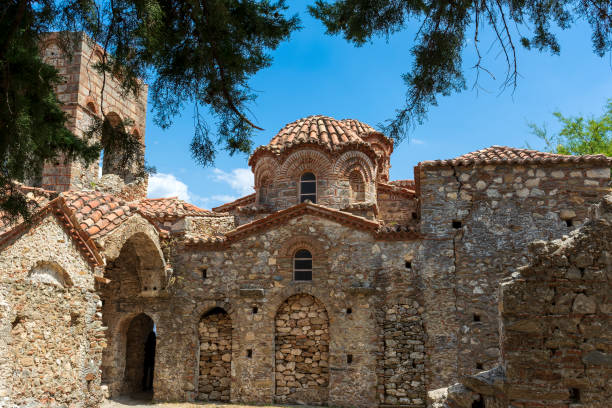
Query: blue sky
[318,74]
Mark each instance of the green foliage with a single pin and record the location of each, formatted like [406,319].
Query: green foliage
[578,135]
[445,27]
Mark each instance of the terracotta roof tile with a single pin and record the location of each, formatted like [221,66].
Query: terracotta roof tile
[409,184]
[98,222]
[512,155]
[362,129]
[169,208]
[240,202]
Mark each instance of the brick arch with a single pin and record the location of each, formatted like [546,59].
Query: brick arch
[266,168]
[50,272]
[302,340]
[306,160]
[354,159]
[311,243]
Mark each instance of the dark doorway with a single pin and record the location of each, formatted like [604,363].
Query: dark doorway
[139,358]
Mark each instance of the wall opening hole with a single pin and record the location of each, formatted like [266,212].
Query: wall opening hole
[349,310]
[476,317]
[17,320]
[408,264]
[255,309]
[574,395]
[349,359]
[479,403]
[456,224]
[413,364]
[74,319]
[414,216]
[479,366]
[569,223]
[204,273]
[249,353]
[146,288]
[154,287]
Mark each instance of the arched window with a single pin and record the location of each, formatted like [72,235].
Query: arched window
[357,186]
[263,191]
[308,187]
[302,265]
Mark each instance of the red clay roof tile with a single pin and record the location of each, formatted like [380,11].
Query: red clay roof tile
[169,208]
[512,155]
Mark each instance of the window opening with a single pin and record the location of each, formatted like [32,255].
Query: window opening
[349,310]
[255,309]
[204,273]
[308,188]
[476,317]
[479,366]
[408,264]
[456,224]
[302,265]
[249,353]
[349,359]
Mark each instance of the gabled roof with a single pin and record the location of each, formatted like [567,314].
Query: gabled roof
[169,208]
[512,155]
[242,201]
[98,213]
[307,208]
[64,215]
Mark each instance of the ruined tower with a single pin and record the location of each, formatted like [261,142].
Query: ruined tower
[85,95]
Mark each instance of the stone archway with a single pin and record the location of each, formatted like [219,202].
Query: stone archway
[215,365]
[302,351]
[139,356]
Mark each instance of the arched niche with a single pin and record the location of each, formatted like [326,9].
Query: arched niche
[140,345]
[51,273]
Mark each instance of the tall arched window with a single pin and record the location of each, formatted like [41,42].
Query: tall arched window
[308,187]
[357,186]
[302,265]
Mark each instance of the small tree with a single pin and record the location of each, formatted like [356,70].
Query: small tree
[579,135]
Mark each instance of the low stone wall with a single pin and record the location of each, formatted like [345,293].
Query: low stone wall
[302,351]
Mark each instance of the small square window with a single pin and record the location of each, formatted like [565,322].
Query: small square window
[255,309]
[479,366]
[204,273]
[349,359]
[249,353]
[349,310]
[456,224]
[476,317]
[408,265]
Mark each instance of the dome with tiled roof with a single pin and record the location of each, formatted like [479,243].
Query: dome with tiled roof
[323,131]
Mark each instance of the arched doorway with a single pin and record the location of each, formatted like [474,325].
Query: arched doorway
[215,334]
[302,351]
[139,357]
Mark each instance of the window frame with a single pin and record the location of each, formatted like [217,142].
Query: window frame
[302,196]
[295,269]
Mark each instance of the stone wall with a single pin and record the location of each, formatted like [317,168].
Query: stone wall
[302,351]
[51,334]
[215,335]
[477,222]
[555,329]
[396,207]
[355,277]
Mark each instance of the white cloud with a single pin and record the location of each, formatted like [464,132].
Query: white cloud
[167,185]
[224,198]
[417,141]
[240,180]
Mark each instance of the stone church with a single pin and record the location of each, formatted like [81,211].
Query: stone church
[330,285]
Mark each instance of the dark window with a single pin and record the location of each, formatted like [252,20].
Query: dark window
[569,223]
[574,395]
[302,265]
[456,224]
[308,187]
[408,265]
[349,359]
[349,310]
[249,353]
[476,318]
[479,366]
[255,309]
[204,273]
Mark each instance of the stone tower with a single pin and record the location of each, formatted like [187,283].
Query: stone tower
[84,95]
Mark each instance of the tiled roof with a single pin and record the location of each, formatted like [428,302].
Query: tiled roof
[511,155]
[242,201]
[36,198]
[323,131]
[65,215]
[307,208]
[395,188]
[362,129]
[98,213]
[169,208]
